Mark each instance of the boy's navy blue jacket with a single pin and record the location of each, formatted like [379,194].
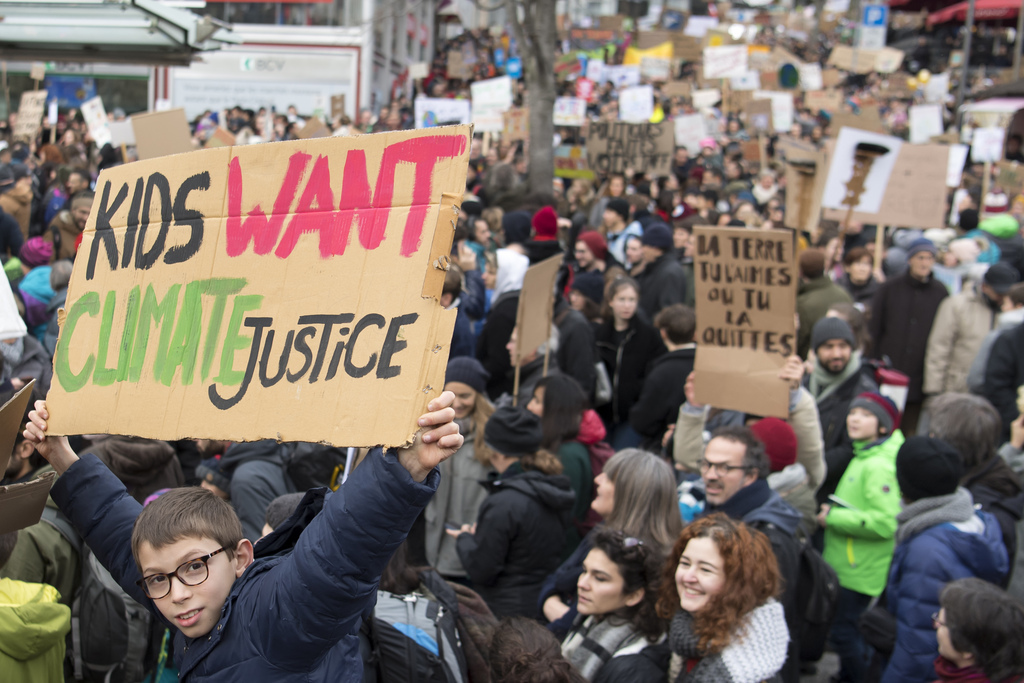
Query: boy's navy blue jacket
[290,617]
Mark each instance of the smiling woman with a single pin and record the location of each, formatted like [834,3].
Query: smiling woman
[718,587]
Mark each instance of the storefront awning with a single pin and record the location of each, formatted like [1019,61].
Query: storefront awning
[132,31]
[984,10]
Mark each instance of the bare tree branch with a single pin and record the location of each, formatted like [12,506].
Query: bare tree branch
[490,8]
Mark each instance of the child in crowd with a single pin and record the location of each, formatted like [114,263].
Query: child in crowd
[290,615]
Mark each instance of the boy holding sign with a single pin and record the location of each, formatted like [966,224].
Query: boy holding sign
[288,610]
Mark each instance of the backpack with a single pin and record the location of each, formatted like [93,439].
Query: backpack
[600,453]
[818,600]
[109,629]
[414,638]
[313,465]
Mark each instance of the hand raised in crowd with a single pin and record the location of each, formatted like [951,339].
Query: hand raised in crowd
[792,372]
[467,258]
[436,441]
[690,392]
[55,449]
[1017,433]
[823,515]
[464,529]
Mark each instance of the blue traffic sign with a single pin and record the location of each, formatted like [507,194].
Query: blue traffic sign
[875,15]
[514,67]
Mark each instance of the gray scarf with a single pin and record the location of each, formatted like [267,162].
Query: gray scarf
[590,645]
[928,512]
[823,382]
[12,354]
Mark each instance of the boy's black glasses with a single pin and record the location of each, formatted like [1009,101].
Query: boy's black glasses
[191,573]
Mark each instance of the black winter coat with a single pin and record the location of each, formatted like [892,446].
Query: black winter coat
[998,491]
[1004,373]
[902,314]
[491,345]
[519,539]
[662,284]
[577,350]
[662,394]
[627,363]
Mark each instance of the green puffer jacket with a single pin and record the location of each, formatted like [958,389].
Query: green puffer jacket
[32,629]
[859,540]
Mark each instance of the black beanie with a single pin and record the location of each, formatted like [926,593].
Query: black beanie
[619,206]
[513,432]
[927,467]
[829,328]
[516,227]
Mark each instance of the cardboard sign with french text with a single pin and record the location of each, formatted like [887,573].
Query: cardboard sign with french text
[614,146]
[30,115]
[746,312]
[283,291]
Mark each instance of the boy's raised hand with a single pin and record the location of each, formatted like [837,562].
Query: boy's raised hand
[436,441]
[55,449]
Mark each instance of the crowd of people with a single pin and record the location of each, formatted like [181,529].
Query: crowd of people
[576,511]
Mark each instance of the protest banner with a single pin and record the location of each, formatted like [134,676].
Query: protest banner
[1011,177]
[337,106]
[614,146]
[915,193]
[622,76]
[676,89]
[843,160]
[655,68]
[746,310]
[636,56]
[535,312]
[811,77]
[200,308]
[457,67]
[987,144]
[162,133]
[705,98]
[636,104]
[96,120]
[440,111]
[30,115]
[571,162]
[490,100]
[517,124]
[925,122]
[595,70]
[888,60]
[21,505]
[570,111]
[725,61]
[690,130]
[782,108]
[830,101]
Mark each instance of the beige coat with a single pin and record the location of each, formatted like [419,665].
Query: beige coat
[18,202]
[803,418]
[960,327]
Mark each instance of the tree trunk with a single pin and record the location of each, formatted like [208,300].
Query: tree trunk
[534,25]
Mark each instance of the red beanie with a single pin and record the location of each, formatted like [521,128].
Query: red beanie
[545,224]
[596,243]
[779,441]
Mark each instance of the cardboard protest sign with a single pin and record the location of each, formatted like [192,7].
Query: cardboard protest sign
[314,128]
[697,25]
[517,124]
[1011,176]
[888,60]
[30,115]
[622,75]
[122,133]
[536,307]
[823,100]
[161,134]
[655,68]
[706,98]
[848,59]
[690,130]
[96,120]
[758,114]
[736,100]
[751,150]
[987,144]
[725,61]
[491,99]
[955,169]
[440,111]
[220,137]
[805,184]
[636,104]
[676,89]
[457,67]
[614,146]
[571,162]
[38,71]
[687,48]
[645,40]
[570,111]
[202,308]
[811,77]
[867,119]
[782,108]
[337,106]
[746,308]
[925,122]
[831,78]
[848,148]
[418,70]
[21,505]
[751,80]
[937,88]
[915,194]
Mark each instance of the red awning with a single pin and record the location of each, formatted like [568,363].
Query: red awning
[984,10]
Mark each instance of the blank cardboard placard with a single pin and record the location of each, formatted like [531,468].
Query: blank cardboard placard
[220,137]
[925,123]
[614,146]
[11,415]
[536,302]
[314,128]
[318,322]
[21,505]
[12,325]
[746,308]
[841,169]
[161,134]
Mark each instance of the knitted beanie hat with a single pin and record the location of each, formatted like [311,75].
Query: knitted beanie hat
[779,441]
[469,371]
[927,467]
[513,432]
[596,243]
[545,224]
[829,328]
[881,407]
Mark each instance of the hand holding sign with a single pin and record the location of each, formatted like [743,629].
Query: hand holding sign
[55,449]
[431,448]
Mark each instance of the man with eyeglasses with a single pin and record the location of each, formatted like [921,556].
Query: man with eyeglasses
[735,471]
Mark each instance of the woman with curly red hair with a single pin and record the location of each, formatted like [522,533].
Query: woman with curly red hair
[719,587]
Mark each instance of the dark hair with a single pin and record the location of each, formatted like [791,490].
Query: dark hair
[613,288]
[399,576]
[564,403]
[858,323]
[750,571]
[1016,294]
[638,565]
[754,457]
[7,543]
[679,322]
[186,512]
[281,508]
[854,255]
[523,651]
[452,281]
[969,424]
[987,622]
